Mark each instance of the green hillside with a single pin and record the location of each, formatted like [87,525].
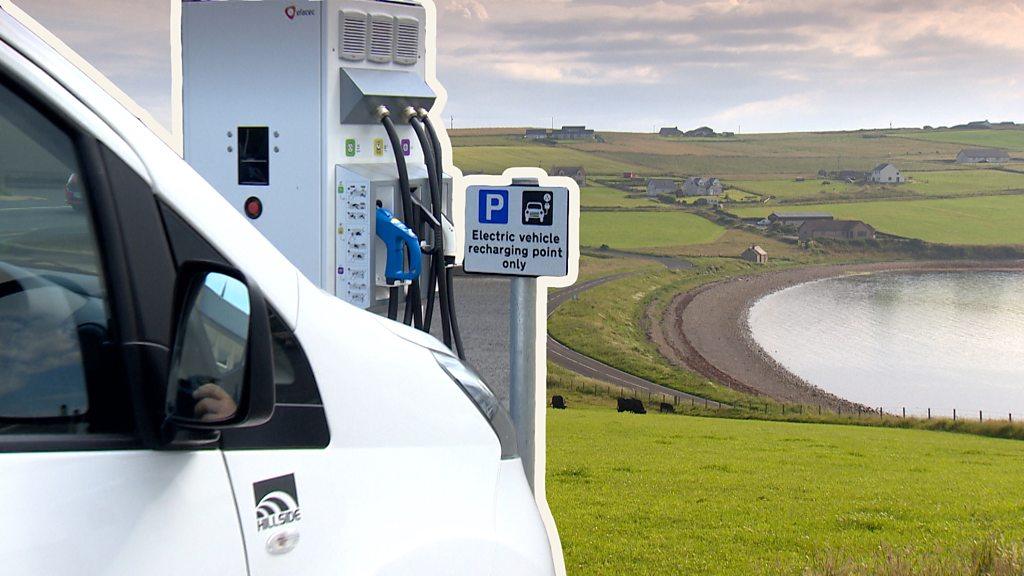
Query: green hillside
[1009,139]
[633,230]
[986,220]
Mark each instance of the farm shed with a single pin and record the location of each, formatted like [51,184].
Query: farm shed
[755,254]
[657,186]
[577,173]
[982,156]
[836,230]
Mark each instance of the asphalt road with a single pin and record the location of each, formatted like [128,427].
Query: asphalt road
[483,310]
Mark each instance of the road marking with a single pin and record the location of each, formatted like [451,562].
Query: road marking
[36,208]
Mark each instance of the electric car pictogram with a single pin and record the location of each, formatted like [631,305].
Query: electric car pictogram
[534,211]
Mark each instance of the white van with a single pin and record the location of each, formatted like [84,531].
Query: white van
[175,398]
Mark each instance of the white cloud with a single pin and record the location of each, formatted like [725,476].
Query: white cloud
[766,111]
[466,8]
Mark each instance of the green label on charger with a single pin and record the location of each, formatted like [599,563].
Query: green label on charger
[350,147]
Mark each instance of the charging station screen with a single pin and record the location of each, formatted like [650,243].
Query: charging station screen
[253,156]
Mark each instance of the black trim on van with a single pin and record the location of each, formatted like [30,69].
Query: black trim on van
[299,420]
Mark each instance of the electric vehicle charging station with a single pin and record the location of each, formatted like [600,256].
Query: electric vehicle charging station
[310,117]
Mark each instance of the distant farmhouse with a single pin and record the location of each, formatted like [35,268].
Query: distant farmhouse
[850,176]
[755,254]
[563,133]
[982,156]
[577,173]
[795,219]
[656,186]
[697,186]
[536,134]
[573,133]
[835,230]
[886,174]
[702,132]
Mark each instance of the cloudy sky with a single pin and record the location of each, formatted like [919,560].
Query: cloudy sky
[752,65]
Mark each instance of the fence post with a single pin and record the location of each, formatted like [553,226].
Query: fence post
[691,402]
[783,409]
[954,414]
[904,411]
[879,412]
[929,413]
[980,418]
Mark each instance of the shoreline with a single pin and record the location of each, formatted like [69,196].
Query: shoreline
[706,330]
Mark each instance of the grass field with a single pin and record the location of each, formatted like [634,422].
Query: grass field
[1011,139]
[684,495]
[604,197]
[495,159]
[988,220]
[747,156]
[638,230]
[942,183]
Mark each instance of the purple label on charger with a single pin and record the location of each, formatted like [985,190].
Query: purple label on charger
[406,147]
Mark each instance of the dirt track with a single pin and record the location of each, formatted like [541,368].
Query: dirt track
[706,330]
[587,366]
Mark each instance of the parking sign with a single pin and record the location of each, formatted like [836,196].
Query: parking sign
[493,206]
[517,231]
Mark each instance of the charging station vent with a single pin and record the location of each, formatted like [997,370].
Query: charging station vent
[382,37]
[353,35]
[407,41]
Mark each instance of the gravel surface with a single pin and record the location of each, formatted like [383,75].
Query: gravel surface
[482,307]
[706,330]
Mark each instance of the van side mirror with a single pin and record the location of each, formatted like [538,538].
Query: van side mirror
[221,373]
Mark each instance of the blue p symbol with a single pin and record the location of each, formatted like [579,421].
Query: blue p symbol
[493,207]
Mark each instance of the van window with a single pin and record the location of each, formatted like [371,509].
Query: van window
[53,309]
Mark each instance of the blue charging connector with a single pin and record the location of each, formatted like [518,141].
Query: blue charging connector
[398,238]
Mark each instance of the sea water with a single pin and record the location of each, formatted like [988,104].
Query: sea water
[939,340]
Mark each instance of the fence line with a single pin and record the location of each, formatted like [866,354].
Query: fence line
[783,409]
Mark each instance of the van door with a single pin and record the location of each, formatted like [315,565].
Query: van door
[81,494]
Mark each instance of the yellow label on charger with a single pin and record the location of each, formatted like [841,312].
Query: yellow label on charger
[378,147]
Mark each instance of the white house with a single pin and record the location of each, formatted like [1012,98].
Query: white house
[695,186]
[886,174]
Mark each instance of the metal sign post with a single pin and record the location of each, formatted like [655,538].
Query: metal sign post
[523,368]
[525,224]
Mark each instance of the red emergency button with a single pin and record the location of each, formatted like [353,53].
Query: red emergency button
[253,207]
